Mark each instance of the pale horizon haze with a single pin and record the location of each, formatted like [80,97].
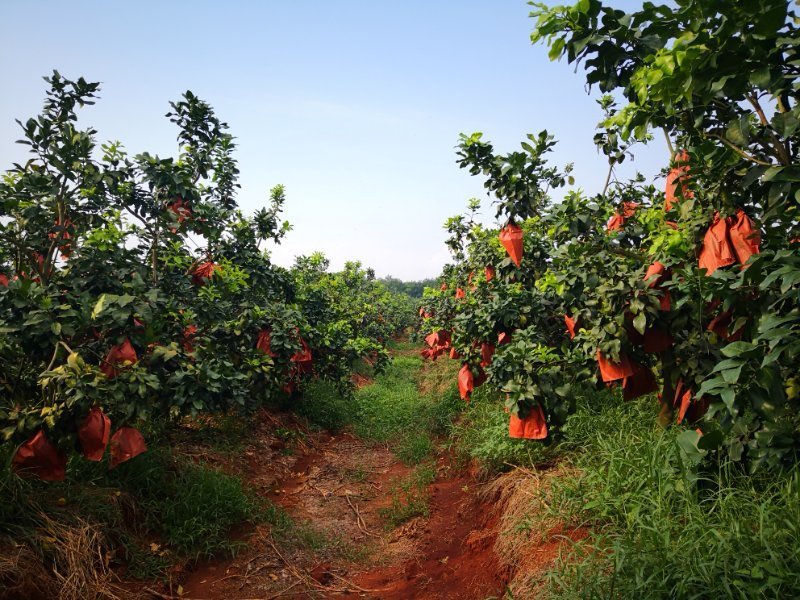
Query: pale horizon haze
[355,107]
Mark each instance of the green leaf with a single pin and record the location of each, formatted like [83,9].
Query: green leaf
[732,375]
[556,48]
[687,441]
[124,300]
[728,395]
[738,349]
[738,131]
[640,322]
[98,307]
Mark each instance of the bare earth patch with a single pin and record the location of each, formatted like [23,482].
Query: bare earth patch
[334,487]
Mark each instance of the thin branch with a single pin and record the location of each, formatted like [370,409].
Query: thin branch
[669,143]
[740,152]
[608,177]
[782,151]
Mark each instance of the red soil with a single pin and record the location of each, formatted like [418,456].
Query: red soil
[447,555]
[455,558]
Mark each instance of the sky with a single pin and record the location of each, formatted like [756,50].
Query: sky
[355,106]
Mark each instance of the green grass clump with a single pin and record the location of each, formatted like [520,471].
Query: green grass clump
[482,434]
[199,508]
[410,497]
[662,527]
[323,405]
[415,447]
[188,510]
[395,411]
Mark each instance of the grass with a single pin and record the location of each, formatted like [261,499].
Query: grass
[481,434]
[660,527]
[409,497]
[409,404]
[323,405]
[151,511]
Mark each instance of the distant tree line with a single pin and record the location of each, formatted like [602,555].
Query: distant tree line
[411,288]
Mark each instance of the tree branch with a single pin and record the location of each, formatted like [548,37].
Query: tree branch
[739,151]
[782,151]
[669,143]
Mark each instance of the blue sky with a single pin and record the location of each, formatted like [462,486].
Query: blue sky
[355,106]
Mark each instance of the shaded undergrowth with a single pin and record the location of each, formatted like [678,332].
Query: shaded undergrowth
[161,510]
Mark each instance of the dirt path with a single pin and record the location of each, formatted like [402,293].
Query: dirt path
[335,488]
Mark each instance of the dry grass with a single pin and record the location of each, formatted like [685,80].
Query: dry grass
[529,539]
[437,377]
[23,575]
[73,565]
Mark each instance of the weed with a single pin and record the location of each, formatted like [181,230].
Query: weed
[415,447]
[410,497]
[663,528]
[323,405]
[286,435]
[395,410]
[189,509]
[482,434]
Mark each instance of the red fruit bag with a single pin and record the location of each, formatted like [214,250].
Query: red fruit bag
[438,338]
[64,234]
[656,274]
[432,339]
[511,238]
[503,338]
[640,383]
[126,444]
[38,457]
[93,434]
[118,355]
[666,301]
[460,293]
[721,326]
[683,397]
[489,273]
[3,280]
[617,221]
[745,238]
[181,209]
[188,337]
[689,408]
[302,358]
[465,382]
[611,371]
[717,250]
[678,175]
[264,342]
[203,272]
[487,352]
[656,340]
[531,427]
[570,322]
